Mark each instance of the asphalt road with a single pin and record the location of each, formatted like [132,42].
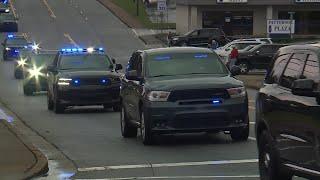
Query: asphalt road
[91,137]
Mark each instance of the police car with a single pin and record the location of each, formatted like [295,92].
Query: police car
[8,22]
[81,77]
[12,46]
[34,71]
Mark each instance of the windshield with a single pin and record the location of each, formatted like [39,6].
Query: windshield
[184,64]
[87,61]
[17,41]
[41,59]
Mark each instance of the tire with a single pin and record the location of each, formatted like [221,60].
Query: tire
[244,67]
[58,108]
[116,107]
[269,166]
[18,74]
[127,130]
[28,91]
[145,130]
[241,134]
[49,102]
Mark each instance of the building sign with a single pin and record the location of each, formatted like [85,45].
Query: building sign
[281,27]
[162,5]
[307,1]
[232,1]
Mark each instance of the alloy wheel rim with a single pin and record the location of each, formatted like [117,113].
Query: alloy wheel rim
[243,68]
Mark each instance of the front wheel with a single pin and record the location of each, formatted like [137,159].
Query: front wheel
[127,130]
[18,74]
[242,133]
[28,91]
[269,165]
[49,102]
[145,130]
[58,108]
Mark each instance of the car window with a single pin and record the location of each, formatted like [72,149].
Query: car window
[266,49]
[311,69]
[194,33]
[174,64]
[280,63]
[241,46]
[293,71]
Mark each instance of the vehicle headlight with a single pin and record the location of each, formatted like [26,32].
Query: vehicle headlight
[35,72]
[64,81]
[158,96]
[237,92]
[8,49]
[22,62]
[175,39]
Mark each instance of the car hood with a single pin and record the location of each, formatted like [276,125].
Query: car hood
[170,83]
[178,37]
[87,74]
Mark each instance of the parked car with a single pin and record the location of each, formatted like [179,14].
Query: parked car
[200,38]
[8,23]
[288,115]
[262,40]
[224,51]
[181,90]
[259,57]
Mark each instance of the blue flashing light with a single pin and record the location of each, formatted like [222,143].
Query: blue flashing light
[100,49]
[76,82]
[10,36]
[201,56]
[80,49]
[25,47]
[162,58]
[16,51]
[68,50]
[63,50]
[104,81]
[216,101]
[74,50]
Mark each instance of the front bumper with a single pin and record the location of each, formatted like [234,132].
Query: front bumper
[89,95]
[38,84]
[169,117]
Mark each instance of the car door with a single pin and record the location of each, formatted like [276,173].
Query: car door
[193,38]
[51,75]
[262,57]
[292,131]
[127,88]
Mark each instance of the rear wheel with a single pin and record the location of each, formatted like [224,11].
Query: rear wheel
[244,67]
[49,102]
[127,130]
[242,133]
[145,130]
[28,90]
[58,108]
[269,165]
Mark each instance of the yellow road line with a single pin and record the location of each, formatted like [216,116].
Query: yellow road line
[13,9]
[70,39]
[45,2]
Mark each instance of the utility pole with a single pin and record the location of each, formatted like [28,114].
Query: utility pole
[291,23]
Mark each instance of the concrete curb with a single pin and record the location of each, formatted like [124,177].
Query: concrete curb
[252,81]
[40,167]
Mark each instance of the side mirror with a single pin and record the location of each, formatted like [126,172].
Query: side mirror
[257,52]
[132,75]
[304,87]
[51,68]
[235,70]
[118,67]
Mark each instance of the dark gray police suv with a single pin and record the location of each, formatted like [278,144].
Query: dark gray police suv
[288,115]
[181,90]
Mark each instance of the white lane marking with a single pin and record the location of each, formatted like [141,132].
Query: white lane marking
[181,177]
[252,107]
[252,138]
[252,101]
[45,2]
[252,123]
[70,39]
[4,116]
[222,162]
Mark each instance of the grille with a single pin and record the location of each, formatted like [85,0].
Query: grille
[93,81]
[204,120]
[179,95]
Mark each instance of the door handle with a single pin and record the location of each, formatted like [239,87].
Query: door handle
[293,105]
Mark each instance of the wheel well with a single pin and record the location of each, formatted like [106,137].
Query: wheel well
[243,60]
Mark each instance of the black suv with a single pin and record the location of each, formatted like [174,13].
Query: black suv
[258,57]
[12,46]
[200,38]
[81,77]
[177,90]
[288,115]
